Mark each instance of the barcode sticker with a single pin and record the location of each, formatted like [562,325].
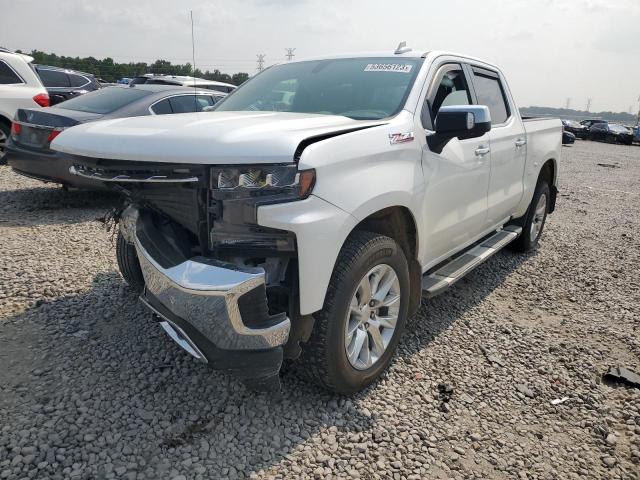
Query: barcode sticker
[388,67]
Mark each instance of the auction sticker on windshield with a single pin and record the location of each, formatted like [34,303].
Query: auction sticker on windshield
[388,67]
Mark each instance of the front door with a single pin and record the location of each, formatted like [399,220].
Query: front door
[457,179]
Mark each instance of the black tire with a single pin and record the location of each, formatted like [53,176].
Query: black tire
[128,264]
[527,241]
[5,131]
[324,358]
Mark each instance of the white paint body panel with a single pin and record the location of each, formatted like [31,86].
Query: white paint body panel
[455,198]
[19,95]
[317,224]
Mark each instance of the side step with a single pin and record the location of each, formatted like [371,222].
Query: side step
[446,275]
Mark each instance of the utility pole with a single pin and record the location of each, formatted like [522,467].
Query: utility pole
[567,103]
[290,53]
[638,119]
[260,61]
[588,104]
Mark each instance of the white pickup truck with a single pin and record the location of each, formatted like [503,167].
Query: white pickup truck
[306,216]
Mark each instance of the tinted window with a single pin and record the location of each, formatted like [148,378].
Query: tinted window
[7,75]
[489,92]
[599,126]
[77,80]
[138,80]
[451,90]
[190,103]
[105,100]
[162,107]
[53,78]
[359,88]
[217,88]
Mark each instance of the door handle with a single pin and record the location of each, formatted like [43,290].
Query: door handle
[482,151]
[521,142]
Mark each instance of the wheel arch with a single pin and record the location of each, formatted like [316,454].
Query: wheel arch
[398,223]
[4,120]
[549,171]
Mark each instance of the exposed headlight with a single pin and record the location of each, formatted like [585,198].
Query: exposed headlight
[262,180]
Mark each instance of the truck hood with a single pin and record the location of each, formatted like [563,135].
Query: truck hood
[205,137]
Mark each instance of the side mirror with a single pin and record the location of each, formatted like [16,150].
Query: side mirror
[459,121]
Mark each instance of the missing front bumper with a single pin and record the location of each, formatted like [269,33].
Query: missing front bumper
[216,309]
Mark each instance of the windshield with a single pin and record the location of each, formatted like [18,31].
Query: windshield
[358,88]
[105,100]
[618,128]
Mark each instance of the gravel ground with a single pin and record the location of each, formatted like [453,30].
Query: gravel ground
[91,388]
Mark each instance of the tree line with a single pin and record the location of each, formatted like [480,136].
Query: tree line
[112,71]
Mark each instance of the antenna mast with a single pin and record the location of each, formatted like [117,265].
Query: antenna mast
[193,57]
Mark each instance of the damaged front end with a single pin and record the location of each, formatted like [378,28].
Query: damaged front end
[222,286]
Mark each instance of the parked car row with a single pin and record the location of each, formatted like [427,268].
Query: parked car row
[33,129]
[597,130]
[25,85]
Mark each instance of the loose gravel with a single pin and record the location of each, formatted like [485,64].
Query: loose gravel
[91,388]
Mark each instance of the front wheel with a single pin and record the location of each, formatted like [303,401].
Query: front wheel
[128,264]
[534,219]
[366,308]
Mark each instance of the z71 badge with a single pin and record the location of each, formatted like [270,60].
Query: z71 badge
[388,67]
[402,137]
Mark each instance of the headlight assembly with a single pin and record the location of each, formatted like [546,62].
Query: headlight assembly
[262,180]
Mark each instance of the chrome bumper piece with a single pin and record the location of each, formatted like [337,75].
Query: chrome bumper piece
[204,293]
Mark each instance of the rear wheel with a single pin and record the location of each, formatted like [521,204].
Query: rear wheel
[534,219]
[4,136]
[128,264]
[365,311]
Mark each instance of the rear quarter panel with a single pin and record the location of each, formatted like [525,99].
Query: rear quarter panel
[544,142]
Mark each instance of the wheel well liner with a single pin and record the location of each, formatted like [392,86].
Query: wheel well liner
[548,171]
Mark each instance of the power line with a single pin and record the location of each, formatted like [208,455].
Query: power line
[261,57]
[290,53]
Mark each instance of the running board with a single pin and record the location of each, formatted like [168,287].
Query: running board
[452,271]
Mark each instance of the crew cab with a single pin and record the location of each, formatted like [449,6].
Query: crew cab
[309,225]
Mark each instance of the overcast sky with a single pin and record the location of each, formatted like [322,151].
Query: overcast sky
[549,49]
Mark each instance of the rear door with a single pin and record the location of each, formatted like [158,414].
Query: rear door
[508,144]
[456,179]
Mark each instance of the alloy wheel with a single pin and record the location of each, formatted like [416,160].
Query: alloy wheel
[372,316]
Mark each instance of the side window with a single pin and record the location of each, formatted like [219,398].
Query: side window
[162,107]
[489,92]
[77,80]
[189,103]
[204,101]
[448,88]
[53,78]
[7,75]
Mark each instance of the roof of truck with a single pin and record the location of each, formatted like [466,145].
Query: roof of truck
[411,54]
